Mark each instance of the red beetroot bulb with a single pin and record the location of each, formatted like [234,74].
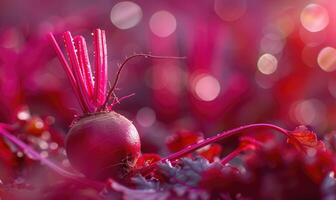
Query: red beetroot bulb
[101,143]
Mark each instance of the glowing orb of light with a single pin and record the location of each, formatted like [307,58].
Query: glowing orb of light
[326,59]
[146,117]
[126,14]
[267,64]
[162,23]
[308,111]
[207,87]
[314,17]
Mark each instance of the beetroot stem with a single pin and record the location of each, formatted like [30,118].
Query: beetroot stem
[101,67]
[84,61]
[216,138]
[66,68]
[77,72]
[221,136]
[109,95]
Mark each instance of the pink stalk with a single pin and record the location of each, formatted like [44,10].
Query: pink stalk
[88,107]
[84,62]
[101,67]
[219,137]
[67,69]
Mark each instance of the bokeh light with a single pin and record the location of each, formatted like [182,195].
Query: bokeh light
[162,23]
[126,14]
[314,17]
[308,111]
[327,59]
[207,87]
[267,64]
[23,115]
[146,117]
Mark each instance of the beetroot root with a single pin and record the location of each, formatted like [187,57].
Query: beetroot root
[103,145]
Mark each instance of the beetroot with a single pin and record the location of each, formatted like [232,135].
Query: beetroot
[101,143]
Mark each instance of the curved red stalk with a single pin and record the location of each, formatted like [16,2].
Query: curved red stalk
[67,69]
[84,62]
[221,136]
[77,72]
[101,67]
[217,138]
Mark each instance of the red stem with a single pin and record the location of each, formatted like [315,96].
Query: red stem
[66,68]
[101,67]
[84,62]
[221,136]
[77,72]
[217,138]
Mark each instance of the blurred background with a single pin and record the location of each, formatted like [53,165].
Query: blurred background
[247,61]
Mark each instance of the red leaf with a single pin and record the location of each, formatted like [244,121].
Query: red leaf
[306,137]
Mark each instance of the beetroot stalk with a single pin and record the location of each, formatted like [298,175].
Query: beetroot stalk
[88,107]
[67,69]
[221,136]
[84,62]
[101,67]
[217,138]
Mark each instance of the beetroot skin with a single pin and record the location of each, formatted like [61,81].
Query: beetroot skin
[103,145]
